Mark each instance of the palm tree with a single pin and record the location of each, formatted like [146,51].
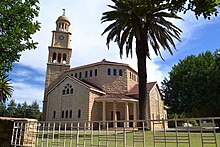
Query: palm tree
[5,88]
[144,20]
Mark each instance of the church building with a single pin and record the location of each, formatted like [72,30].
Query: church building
[101,91]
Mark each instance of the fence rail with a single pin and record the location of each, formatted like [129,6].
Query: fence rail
[191,132]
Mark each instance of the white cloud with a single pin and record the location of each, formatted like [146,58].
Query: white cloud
[21,72]
[26,92]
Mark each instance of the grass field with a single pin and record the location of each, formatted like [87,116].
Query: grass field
[100,139]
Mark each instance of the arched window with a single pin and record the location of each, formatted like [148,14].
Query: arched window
[75,75]
[54,58]
[90,74]
[120,72]
[109,71]
[64,58]
[64,91]
[68,89]
[86,74]
[59,58]
[62,25]
[96,72]
[114,72]
[66,113]
[80,75]
[71,113]
[79,113]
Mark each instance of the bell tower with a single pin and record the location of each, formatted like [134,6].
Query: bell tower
[59,54]
[59,51]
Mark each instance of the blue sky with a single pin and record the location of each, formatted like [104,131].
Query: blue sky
[89,46]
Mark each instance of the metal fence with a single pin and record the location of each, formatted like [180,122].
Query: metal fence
[77,134]
[190,132]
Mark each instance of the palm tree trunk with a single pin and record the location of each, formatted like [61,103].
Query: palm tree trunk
[142,74]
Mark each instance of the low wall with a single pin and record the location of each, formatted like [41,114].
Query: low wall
[6,130]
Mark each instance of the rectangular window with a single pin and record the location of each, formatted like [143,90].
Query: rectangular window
[86,74]
[96,72]
[75,75]
[90,73]
[80,75]
[54,114]
[71,113]
[79,113]
[62,114]
[66,113]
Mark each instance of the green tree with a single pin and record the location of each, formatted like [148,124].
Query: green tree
[206,8]
[3,110]
[25,110]
[11,109]
[193,86]
[5,88]
[144,21]
[35,111]
[17,25]
[19,112]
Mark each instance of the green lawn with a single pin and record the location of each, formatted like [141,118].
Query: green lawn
[84,138]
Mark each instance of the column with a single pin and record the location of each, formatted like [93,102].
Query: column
[126,115]
[114,115]
[104,113]
[135,114]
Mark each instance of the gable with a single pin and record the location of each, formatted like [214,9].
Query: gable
[76,82]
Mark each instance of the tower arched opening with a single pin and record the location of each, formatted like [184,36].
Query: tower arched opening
[54,58]
[59,58]
[64,58]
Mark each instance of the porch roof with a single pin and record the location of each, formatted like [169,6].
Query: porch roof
[115,97]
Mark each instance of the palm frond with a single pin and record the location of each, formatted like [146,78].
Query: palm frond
[5,88]
[144,20]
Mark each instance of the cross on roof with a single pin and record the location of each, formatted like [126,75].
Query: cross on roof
[63,11]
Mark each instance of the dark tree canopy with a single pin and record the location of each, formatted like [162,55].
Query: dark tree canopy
[206,8]
[21,110]
[193,86]
[17,25]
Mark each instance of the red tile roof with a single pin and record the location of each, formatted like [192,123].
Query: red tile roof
[120,96]
[87,84]
[103,62]
[134,90]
